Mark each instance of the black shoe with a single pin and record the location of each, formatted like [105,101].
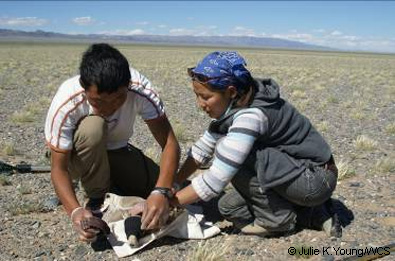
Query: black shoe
[323,217]
[332,226]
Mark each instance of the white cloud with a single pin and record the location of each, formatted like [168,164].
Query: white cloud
[375,44]
[85,20]
[323,37]
[162,26]
[202,30]
[181,31]
[124,32]
[242,31]
[335,33]
[350,37]
[319,30]
[23,21]
[339,40]
[143,23]
[301,37]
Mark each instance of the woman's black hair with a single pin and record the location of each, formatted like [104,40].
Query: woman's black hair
[104,66]
[243,84]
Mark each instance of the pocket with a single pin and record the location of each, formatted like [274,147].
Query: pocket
[321,188]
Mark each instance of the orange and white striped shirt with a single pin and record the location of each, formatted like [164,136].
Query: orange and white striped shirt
[70,106]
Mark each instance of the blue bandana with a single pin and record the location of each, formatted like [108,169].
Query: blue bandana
[227,68]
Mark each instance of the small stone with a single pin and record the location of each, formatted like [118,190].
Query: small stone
[43,234]
[245,252]
[328,258]
[51,204]
[62,248]
[36,224]
[355,184]
[373,226]
[40,253]
[81,251]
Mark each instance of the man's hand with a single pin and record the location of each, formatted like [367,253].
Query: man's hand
[156,212]
[77,216]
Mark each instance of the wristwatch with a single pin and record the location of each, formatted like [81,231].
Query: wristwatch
[164,191]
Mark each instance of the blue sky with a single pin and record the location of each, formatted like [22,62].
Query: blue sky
[354,25]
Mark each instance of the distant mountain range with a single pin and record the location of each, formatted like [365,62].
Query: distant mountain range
[239,41]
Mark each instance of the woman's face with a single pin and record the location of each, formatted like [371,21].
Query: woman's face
[214,103]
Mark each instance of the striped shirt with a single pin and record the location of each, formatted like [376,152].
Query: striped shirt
[70,106]
[230,151]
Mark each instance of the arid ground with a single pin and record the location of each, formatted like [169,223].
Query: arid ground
[349,97]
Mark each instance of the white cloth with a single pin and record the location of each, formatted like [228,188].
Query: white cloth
[70,105]
[189,224]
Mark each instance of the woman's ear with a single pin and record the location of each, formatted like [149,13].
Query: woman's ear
[232,91]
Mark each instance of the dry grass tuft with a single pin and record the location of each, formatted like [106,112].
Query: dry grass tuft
[365,143]
[301,105]
[357,115]
[23,189]
[9,149]
[386,164]
[180,132]
[22,117]
[28,113]
[390,129]
[299,94]
[344,170]
[153,153]
[323,126]
[332,99]
[207,251]
[24,208]
[4,181]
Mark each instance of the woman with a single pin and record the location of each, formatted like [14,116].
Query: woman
[281,168]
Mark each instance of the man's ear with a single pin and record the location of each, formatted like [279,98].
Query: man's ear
[232,91]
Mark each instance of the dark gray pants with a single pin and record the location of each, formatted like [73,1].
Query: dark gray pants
[280,208]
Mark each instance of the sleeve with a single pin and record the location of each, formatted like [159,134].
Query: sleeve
[150,106]
[203,150]
[231,152]
[62,118]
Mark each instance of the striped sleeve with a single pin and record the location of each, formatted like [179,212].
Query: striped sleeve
[149,104]
[203,150]
[231,152]
[63,115]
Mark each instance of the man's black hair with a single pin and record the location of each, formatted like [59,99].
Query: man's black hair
[104,66]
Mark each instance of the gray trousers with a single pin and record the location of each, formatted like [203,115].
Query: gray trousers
[125,171]
[279,209]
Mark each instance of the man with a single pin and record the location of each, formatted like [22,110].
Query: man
[87,128]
